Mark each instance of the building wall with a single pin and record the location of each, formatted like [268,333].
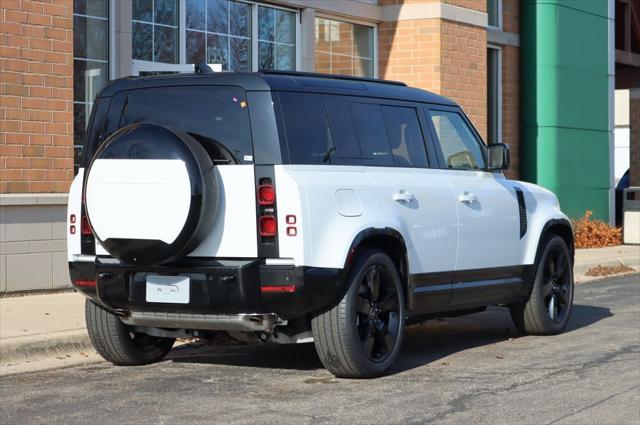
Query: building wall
[511,86]
[565,102]
[36,153]
[36,138]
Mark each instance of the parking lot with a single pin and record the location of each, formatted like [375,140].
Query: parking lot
[473,369]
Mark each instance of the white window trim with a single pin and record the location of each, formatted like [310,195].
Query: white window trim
[357,22]
[141,65]
[499,26]
[499,94]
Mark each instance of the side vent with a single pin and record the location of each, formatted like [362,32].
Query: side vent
[522,209]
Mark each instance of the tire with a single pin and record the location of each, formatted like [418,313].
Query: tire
[199,190]
[549,306]
[358,338]
[116,343]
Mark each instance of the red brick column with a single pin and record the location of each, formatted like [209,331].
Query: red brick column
[36,96]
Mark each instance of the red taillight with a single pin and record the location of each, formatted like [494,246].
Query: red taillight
[266,194]
[280,288]
[85,227]
[85,283]
[268,226]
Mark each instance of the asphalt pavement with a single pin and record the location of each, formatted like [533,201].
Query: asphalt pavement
[466,370]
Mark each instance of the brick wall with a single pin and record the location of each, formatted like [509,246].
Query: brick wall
[464,70]
[511,86]
[409,51]
[36,96]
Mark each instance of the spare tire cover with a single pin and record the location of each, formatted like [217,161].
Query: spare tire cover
[150,194]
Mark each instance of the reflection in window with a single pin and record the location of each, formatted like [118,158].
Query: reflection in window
[460,148]
[155,30]
[219,31]
[343,48]
[276,39]
[90,62]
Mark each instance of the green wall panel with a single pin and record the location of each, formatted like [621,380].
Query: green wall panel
[565,101]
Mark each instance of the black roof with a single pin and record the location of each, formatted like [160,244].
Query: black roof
[283,81]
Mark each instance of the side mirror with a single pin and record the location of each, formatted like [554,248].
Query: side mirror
[498,156]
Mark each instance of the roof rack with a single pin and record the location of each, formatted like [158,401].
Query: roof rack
[332,76]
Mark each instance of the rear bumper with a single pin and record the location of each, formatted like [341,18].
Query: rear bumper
[217,287]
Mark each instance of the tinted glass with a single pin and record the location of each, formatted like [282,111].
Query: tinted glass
[460,148]
[372,134]
[217,113]
[307,127]
[405,136]
[344,133]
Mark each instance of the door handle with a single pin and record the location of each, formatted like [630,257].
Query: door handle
[467,198]
[403,196]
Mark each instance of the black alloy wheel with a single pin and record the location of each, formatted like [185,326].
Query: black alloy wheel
[548,307]
[378,314]
[557,286]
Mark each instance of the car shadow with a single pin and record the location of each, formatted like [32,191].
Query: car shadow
[424,343]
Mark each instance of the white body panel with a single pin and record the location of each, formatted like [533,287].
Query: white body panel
[138,199]
[488,219]
[542,207]
[421,202]
[74,207]
[234,230]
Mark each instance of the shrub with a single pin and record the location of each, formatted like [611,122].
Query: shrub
[590,233]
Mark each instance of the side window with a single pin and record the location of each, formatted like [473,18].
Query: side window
[372,134]
[460,147]
[405,136]
[307,126]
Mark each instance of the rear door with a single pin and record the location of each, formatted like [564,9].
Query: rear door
[218,117]
[487,210]
[392,138]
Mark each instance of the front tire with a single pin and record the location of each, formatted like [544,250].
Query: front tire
[117,343]
[549,306]
[361,336]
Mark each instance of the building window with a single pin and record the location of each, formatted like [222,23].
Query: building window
[494,12]
[90,61]
[155,30]
[276,39]
[494,95]
[238,35]
[219,31]
[344,48]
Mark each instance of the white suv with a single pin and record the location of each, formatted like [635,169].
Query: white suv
[290,207]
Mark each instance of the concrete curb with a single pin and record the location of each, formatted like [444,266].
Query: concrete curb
[583,267]
[29,347]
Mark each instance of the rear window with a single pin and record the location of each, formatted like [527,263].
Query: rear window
[208,113]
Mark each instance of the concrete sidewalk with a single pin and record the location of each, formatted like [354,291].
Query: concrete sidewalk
[38,325]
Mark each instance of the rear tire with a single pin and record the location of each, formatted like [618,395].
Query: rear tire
[116,343]
[549,306]
[361,336]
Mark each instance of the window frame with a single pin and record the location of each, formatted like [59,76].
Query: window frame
[372,25]
[182,34]
[498,49]
[436,140]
